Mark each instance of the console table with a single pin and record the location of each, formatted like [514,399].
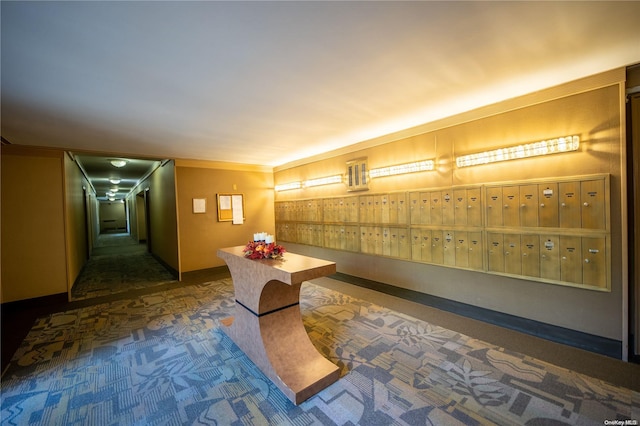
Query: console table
[267,324]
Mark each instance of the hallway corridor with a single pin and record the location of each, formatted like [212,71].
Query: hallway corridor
[118,264]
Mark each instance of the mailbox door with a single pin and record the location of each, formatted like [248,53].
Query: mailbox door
[387,242]
[414,208]
[402,209]
[435,214]
[495,244]
[461,240]
[448,214]
[511,206]
[460,206]
[474,207]
[549,257]
[437,252]
[571,259]
[592,197]
[384,209]
[594,264]
[475,251]
[530,250]
[529,205]
[416,244]
[426,245]
[395,242]
[449,248]
[393,208]
[424,202]
[548,205]
[512,257]
[494,206]
[569,200]
[404,245]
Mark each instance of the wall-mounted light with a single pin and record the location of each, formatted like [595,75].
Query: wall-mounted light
[527,150]
[288,186]
[118,163]
[114,181]
[328,180]
[400,169]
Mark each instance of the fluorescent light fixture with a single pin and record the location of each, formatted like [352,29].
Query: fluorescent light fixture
[288,186]
[118,163]
[114,181]
[528,150]
[400,169]
[328,180]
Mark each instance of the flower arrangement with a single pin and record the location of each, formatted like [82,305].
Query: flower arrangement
[263,247]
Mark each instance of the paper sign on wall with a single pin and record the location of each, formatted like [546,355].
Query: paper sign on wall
[231,208]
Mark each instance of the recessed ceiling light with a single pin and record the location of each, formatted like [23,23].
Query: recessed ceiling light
[119,163]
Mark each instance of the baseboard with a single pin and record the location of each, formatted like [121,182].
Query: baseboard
[168,267]
[601,345]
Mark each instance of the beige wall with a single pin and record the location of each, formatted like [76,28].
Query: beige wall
[163,216]
[591,108]
[202,234]
[33,227]
[76,224]
[112,216]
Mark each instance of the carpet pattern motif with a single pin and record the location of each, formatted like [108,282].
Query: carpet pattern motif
[161,359]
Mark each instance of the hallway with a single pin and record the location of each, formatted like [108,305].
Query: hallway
[118,264]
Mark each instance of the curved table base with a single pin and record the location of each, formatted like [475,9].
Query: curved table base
[278,344]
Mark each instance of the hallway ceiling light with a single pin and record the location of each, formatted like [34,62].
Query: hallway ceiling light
[527,150]
[114,181]
[118,163]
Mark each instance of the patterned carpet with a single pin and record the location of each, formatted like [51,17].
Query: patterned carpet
[161,359]
[118,264]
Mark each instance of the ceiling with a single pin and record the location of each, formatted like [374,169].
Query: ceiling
[270,83]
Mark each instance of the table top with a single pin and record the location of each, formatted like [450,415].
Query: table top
[297,267]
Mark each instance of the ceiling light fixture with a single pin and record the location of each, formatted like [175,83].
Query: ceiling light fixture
[400,169]
[527,150]
[114,181]
[288,186]
[118,163]
[328,180]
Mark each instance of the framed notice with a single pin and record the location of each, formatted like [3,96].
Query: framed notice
[231,208]
[199,205]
